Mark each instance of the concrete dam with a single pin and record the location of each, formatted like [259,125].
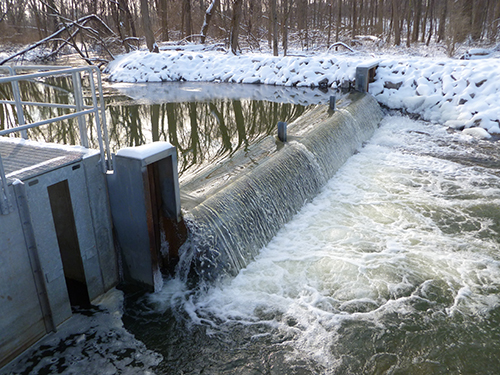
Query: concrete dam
[130,221]
[231,219]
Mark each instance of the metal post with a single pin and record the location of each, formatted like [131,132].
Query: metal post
[19,106]
[282,131]
[5,203]
[77,88]
[103,114]
[333,103]
[97,121]
[362,78]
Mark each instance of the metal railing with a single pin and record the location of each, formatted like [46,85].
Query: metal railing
[80,110]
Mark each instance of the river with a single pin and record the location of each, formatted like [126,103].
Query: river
[392,269]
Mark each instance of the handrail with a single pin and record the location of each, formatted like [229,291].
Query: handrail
[80,110]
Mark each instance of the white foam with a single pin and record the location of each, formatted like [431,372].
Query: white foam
[96,344]
[371,244]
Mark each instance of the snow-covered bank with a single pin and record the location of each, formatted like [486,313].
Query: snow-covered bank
[456,93]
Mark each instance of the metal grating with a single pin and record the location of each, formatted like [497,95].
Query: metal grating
[23,160]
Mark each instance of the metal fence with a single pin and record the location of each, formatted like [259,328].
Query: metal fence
[80,109]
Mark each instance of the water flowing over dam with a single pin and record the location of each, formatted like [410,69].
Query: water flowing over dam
[232,215]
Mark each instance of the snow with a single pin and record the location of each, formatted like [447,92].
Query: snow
[87,152]
[457,93]
[33,167]
[145,151]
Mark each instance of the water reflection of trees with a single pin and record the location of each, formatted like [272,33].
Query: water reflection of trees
[201,131]
[57,90]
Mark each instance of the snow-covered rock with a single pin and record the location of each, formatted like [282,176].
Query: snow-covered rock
[458,93]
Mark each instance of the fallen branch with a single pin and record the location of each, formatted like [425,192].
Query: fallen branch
[45,40]
[341,45]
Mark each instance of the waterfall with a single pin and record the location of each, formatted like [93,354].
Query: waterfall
[229,226]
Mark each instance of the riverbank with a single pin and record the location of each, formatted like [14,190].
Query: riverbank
[461,94]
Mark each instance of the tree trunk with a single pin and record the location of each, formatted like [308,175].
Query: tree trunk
[354,19]
[339,21]
[286,16]
[330,19]
[494,25]
[427,5]
[408,24]
[129,19]
[208,17]
[417,19]
[250,17]
[52,20]
[360,16]
[442,21]
[431,21]
[235,26]
[395,22]
[380,17]
[302,21]
[274,17]
[163,5]
[146,25]
[186,20]
[479,12]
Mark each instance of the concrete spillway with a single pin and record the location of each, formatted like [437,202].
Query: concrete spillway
[234,209]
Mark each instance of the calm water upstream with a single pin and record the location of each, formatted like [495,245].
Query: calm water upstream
[205,121]
[393,269]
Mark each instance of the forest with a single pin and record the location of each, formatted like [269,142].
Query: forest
[114,26]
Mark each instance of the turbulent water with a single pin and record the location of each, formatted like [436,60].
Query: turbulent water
[394,268]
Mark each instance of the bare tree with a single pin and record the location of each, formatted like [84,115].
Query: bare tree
[163,12]
[274,17]
[395,22]
[235,26]
[148,30]
[286,16]
[442,20]
[186,19]
[214,4]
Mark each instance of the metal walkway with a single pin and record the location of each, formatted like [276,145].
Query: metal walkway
[23,160]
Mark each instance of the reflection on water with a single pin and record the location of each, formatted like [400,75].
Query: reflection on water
[201,127]
[200,131]
[57,90]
